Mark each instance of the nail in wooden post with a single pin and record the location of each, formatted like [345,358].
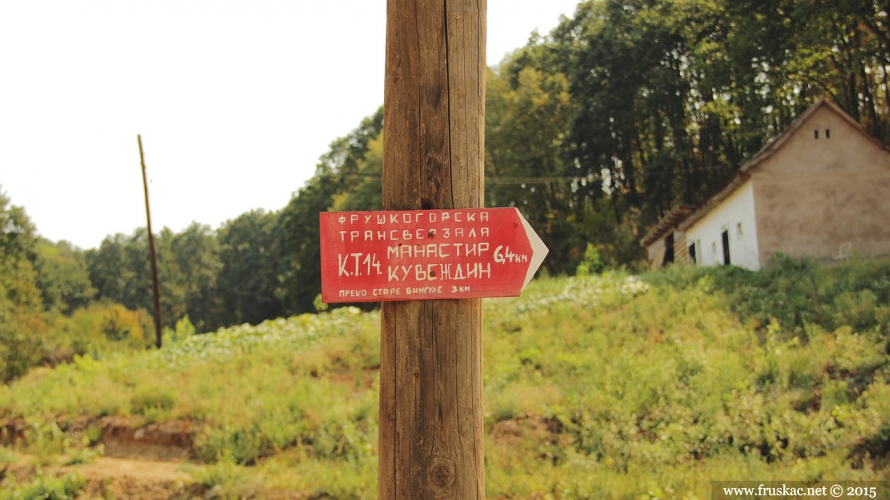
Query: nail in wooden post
[431,429]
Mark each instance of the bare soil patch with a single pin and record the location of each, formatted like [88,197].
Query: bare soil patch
[139,462]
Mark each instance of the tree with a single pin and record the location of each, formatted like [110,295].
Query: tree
[248,280]
[528,111]
[300,242]
[334,182]
[195,254]
[63,277]
[21,324]
[362,185]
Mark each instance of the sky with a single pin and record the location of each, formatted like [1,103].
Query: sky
[235,101]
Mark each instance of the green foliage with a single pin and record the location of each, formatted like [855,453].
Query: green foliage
[256,267]
[660,386]
[46,440]
[628,108]
[195,253]
[84,454]
[802,295]
[188,266]
[527,112]
[62,277]
[17,239]
[20,332]
[96,330]
[592,263]
[354,156]
[43,487]
[184,329]
[605,385]
[21,323]
[363,182]
[251,257]
[152,400]
[7,456]
[224,479]
[595,130]
[282,403]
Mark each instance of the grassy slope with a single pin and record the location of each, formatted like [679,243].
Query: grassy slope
[609,386]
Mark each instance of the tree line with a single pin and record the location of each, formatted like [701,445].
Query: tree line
[636,106]
[593,131]
[58,301]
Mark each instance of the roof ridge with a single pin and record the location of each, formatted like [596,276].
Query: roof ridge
[741,174]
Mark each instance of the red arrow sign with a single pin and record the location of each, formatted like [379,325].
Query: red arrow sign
[427,254]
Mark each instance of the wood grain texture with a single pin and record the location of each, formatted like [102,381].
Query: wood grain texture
[431,431]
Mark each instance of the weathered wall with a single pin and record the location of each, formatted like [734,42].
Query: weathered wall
[681,250]
[815,194]
[656,253]
[736,214]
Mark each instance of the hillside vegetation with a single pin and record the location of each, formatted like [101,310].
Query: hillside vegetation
[594,131]
[595,386]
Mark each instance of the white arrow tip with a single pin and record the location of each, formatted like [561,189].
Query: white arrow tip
[539,249]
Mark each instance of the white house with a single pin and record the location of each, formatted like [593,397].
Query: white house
[820,189]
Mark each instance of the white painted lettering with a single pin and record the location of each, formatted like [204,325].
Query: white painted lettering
[459,274]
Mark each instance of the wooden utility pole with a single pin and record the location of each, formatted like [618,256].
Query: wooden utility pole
[155,284]
[431,429]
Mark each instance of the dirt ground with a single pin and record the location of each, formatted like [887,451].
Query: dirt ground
[146,463]
[110,477]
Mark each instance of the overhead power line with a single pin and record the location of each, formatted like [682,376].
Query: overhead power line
[546,179]
[560,179]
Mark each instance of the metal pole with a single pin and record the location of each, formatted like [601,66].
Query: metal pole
[155,284]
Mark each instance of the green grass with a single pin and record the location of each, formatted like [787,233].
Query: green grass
[42,487]
[598,386]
